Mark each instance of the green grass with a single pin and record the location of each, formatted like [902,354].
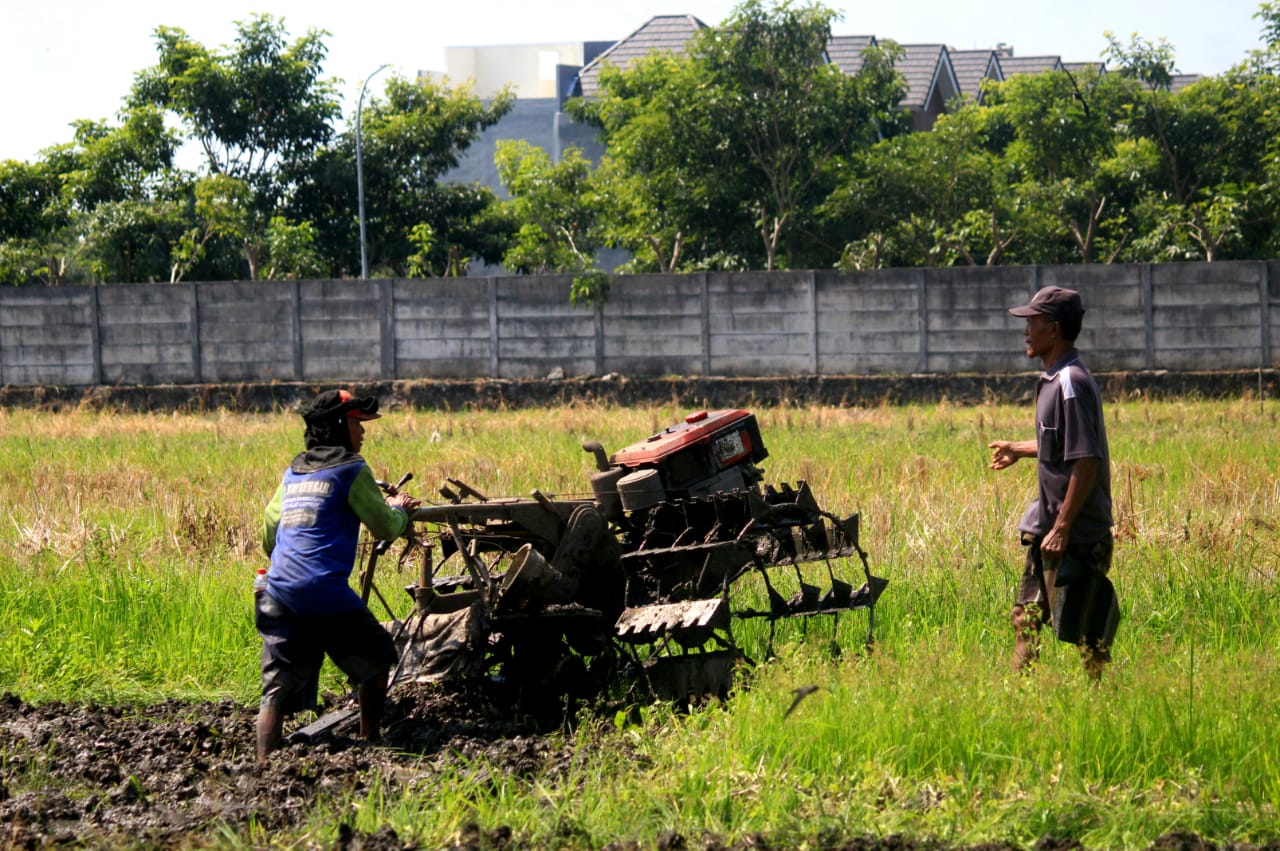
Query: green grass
[127,540]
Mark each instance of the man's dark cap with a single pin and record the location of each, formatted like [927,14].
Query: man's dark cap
[333,403]
[1058,304]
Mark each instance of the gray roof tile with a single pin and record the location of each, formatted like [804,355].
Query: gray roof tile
[1080,67]
[845,51]
[920,65]
[1010,65]
[933,72]
[660,34]
[972,67]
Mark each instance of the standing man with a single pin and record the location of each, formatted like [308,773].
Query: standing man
[310,531]
[1067,529]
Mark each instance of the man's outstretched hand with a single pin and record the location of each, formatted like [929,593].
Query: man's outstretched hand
[1003,454]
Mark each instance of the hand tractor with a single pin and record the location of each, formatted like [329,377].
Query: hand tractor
[639,583]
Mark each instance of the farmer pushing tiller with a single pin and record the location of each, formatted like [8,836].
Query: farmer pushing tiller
[308,608]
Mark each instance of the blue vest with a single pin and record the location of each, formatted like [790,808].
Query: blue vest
[316,542]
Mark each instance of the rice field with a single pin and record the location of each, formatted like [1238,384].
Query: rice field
[128,544]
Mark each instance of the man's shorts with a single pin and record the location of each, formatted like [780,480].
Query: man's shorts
[294,647]
[1073,593]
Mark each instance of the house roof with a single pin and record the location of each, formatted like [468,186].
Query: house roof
[845,51]
[1010,65]
[972,67]
[1081,67]
[927,71]
[660,34]
[933,73]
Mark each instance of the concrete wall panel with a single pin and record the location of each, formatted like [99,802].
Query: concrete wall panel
[1175,316]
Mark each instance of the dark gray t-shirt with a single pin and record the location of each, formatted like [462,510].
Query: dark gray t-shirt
[1069,426]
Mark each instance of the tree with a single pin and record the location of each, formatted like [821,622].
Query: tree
[556,205]
[1213,141]
[729,149]
[258,111]
[935,198]
[656,200]
[785,114]
[32,214]
[411,137]
[126,194]
[128,241]
[1265,61]
[292,250]
[221,211]
[1064,131]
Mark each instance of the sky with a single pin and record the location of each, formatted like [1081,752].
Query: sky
[63,60]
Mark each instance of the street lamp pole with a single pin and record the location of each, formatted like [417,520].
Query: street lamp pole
[364,257]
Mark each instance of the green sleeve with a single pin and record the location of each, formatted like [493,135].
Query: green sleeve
[271,520]
[365,498]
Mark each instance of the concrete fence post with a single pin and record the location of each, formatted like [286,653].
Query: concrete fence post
[706,323]
[387,327]
[1149,315]
[295,320]
[495,367]
[813,323]
[1264,314]
[598,310]
[197,374]
[922,320]
[95,333]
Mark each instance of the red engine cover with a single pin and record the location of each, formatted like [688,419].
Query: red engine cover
[704,444]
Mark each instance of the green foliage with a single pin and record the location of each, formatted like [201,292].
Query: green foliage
[748,150]
[783,114]
[292,250]
[1150,63]
[256,108]
[1063,142]
[652,181]
[129,162]
[933,198]
[557,205]
[590,288]
[1265,61]
[423,238]
[130,240]
[21,261]
[35,220]
[410,137]
[222,209]
[729,149]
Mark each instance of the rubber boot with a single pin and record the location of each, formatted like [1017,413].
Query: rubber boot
[1026,636]
[269,730]
[373,699]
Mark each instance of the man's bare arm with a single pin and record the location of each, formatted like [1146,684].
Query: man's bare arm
[1084,475]
[1005,452]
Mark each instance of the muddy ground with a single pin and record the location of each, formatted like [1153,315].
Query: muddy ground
[177,774]
[162,775]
